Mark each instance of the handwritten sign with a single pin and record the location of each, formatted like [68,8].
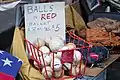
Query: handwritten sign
[44,20]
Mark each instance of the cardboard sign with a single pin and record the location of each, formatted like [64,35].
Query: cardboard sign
[44,20]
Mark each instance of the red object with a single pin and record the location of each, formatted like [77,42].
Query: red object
[6,77]
[94,56]
[67,56]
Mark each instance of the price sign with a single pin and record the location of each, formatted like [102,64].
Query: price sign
[44,20]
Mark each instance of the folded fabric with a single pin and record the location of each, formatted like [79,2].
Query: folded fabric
[6,77]
[28,72]
[7,6]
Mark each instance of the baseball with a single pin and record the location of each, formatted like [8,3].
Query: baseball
[74,71]
[44,50]
[48,72]
[47,40]
[82,67]
[39,42]
[59,74]
[53,56]
[47,60]
[35,64]
[77,56]
[57,65]
[59,53]
[75,63]
[55,44]
[71,45]
[60,37]
[67,66]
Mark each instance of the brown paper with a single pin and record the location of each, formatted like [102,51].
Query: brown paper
[76,6]
[18,50]
[73,20]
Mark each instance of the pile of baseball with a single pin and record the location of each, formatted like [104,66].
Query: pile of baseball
[50,62]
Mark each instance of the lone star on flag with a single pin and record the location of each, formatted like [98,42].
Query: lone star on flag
[7,62]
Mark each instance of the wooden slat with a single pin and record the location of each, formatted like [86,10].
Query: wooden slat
[96,71]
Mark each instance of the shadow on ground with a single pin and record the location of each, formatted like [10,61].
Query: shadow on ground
[113,72]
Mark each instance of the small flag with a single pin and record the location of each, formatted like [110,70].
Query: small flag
[9,66]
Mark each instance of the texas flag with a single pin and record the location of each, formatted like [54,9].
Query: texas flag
[9,66]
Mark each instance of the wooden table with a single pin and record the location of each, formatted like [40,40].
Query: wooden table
[95,71]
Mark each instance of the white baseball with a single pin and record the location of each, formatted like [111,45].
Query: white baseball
[75,70]
[60,37]
[57,64]
[67,66]
[47,60]
[35,64]
[56,43]
[59,53]
[44,50]
[77,56]
[59,74]
[47,72]
[75,63]
[82,67]
[39,42]
[71,45]
[53,56]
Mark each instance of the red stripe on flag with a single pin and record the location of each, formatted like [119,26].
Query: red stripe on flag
[6,77]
